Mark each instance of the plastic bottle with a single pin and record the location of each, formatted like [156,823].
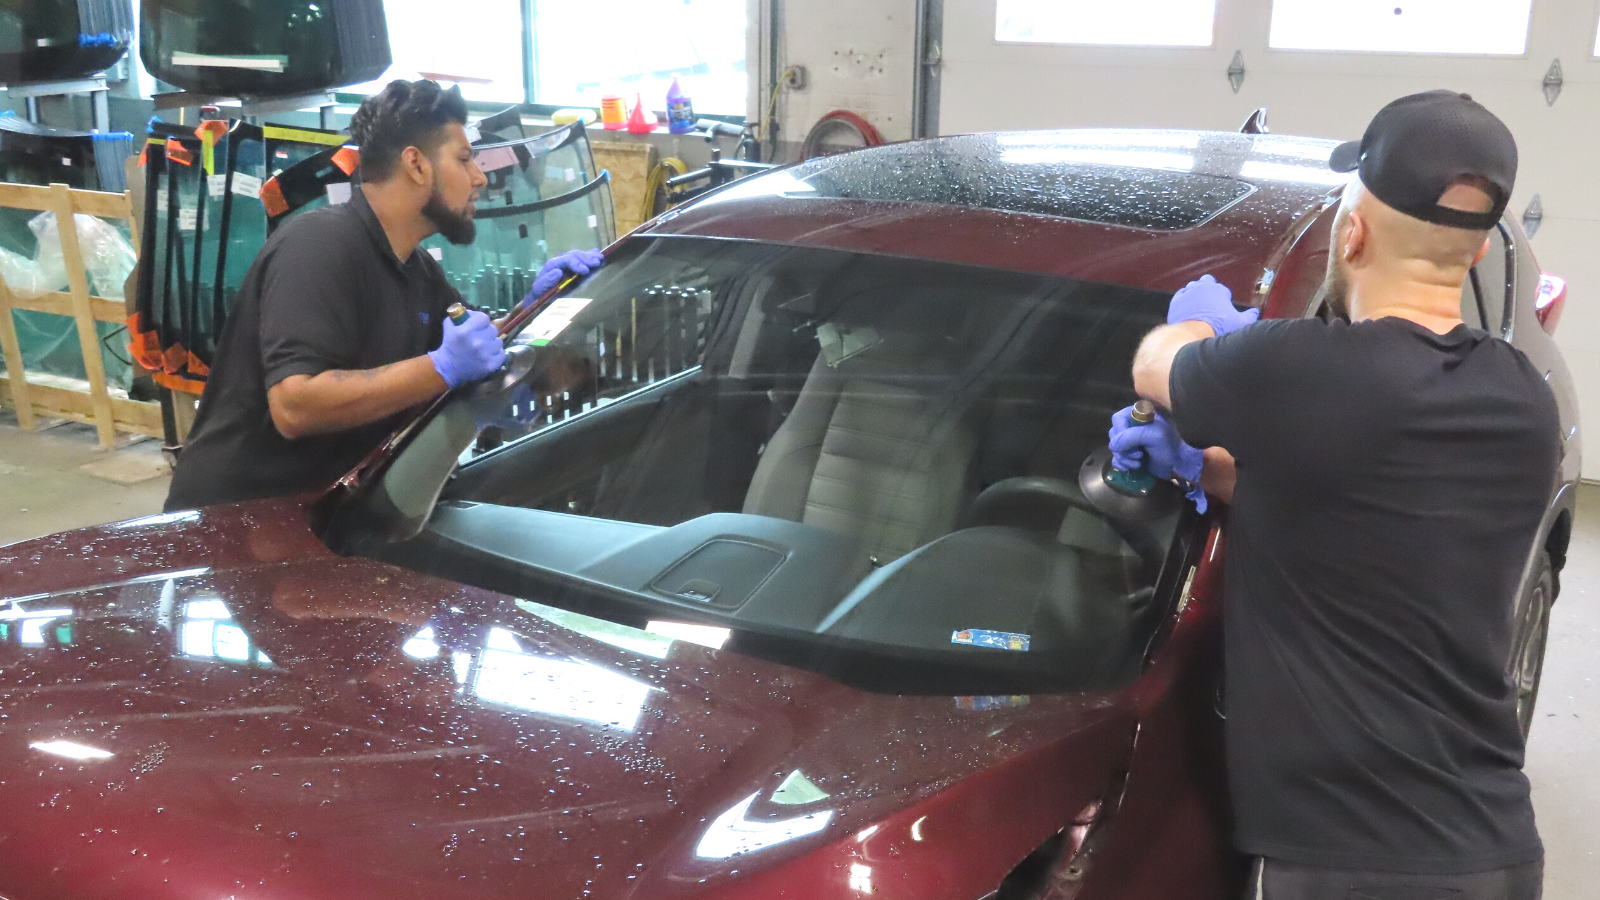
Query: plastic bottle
[680,111]
[613,112]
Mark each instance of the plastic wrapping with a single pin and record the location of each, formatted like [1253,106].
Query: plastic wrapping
[107,257]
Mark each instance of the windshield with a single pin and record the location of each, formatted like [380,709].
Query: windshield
[841,459]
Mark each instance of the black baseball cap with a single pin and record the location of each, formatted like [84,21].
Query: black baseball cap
[1417,146]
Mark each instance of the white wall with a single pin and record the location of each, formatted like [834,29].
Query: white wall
[859,54]
[859,57]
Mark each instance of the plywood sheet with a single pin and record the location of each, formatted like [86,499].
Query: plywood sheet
[629,164]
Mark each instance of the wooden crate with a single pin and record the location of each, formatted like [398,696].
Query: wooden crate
[40,395]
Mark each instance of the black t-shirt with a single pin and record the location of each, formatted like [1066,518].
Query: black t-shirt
[1391,485]
[326,292]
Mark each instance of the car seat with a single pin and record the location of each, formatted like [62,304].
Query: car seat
[878,444]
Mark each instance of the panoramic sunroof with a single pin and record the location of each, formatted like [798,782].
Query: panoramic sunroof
[1144,184]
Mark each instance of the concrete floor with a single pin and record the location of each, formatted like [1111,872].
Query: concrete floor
[59,479]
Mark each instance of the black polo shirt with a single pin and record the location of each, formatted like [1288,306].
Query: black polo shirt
[326,292]
[1391,486]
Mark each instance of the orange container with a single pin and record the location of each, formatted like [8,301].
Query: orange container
[613,112]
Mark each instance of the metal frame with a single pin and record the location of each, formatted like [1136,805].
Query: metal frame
[95,87]
[928,62]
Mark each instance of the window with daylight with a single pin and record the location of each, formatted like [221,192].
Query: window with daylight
[478,45]
[641,47]
[1156,23]
[1486,27]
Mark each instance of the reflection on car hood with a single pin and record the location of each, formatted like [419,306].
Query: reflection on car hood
[269,720]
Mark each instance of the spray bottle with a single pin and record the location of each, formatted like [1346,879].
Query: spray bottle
[680,111]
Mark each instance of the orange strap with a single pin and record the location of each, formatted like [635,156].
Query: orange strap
[144,345]
[178,383]
[209,132]
[178,154]
[272,198]
[347,158]
[173,358]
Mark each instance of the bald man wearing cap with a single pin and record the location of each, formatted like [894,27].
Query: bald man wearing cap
[1387,470]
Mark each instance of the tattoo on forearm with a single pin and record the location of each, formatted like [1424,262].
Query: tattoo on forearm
[358,374]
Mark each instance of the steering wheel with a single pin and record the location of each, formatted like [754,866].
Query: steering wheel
[1039,503]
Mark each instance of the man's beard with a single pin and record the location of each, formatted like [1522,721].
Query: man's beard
[1336,288]
[456,228]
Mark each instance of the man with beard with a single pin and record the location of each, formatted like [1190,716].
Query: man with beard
[340,327]
[1387,473]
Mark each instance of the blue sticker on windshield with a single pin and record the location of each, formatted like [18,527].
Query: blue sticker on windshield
[1000,640]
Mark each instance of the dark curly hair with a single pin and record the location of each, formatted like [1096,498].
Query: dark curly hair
[403,114]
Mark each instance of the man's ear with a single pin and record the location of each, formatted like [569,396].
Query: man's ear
[1355,241]
[1482,252]
[417,166]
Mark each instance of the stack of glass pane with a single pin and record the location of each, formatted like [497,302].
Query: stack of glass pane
[204,223]
[544,197]
[311,183]
[263,48]
[59,40]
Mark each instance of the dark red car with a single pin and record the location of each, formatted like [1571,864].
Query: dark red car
[791,593]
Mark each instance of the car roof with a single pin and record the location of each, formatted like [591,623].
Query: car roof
[1145,208]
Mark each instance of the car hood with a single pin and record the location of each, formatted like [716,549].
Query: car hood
[265,719]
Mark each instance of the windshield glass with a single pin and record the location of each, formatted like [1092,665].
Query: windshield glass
[843,459]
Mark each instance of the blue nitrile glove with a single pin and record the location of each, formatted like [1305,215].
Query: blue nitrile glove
[1158,442]
[518,408]
[1208,301]
[469,351]
[553,272]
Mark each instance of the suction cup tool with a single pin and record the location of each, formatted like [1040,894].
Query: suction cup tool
[1135,496]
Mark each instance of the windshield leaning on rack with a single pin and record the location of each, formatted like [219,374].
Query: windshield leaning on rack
[820,443]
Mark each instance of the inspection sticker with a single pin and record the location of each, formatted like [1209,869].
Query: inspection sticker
[1000,640]
[554,320]
[979,704]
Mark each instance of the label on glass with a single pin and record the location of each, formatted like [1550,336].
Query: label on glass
[246,185]
[554,320]
[495,158]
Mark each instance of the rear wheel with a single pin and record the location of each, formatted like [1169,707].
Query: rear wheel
[1530,637]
